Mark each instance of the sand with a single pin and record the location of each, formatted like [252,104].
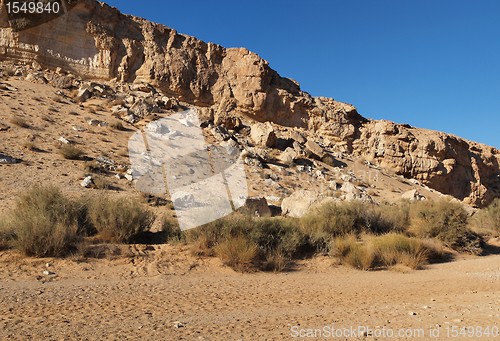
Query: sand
[163,293]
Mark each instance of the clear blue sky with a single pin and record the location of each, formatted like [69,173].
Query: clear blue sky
[432,64]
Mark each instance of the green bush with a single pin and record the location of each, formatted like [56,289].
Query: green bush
[277,240]
[488,218]
[445,221]
[330,220]
[119,220]
[45,223]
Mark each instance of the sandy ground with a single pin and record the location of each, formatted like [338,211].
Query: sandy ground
[163,293]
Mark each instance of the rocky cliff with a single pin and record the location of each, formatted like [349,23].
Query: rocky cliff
[96,41]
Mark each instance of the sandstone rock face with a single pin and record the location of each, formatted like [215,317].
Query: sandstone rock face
[235,86]
[466,170]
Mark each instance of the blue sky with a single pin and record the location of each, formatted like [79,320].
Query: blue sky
[432,64]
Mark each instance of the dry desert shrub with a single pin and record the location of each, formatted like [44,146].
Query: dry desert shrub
[385,251]
[352,252]
[237,252]
[119,220]
[45,223]
[170,231]
[445,221]
[276,261]
[7,235]
[331,220]
[101,182]
[277,240]
[19,121]
[328,221]
[117,125]
[488,219]
[392,249]
[71,152]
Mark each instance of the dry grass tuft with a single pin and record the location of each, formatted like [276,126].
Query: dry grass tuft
[19,121]
[71,152]
[384,251]
[487,220]
[119,220]
[117,125]
[237,252]
[395,249]
[45,223]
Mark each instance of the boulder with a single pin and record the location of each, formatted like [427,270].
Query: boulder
[299,203]
[314,149]
[296,136]
[143,108]
[412,195]
[288,156]
[257,206]
[87,182]
[263,134]
[84,93]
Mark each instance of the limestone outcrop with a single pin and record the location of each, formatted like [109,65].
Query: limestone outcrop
[95,41]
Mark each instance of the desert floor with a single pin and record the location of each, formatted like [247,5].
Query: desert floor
[163,293]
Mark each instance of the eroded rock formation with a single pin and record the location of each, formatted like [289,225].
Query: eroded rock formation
[96,41]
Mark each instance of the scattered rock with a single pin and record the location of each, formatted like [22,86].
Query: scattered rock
[84,93]
[130,117]
[220,133]
[179,324]
[78,129]
[288,156]
[298,137]
[257,206]
[183,200]
[263,134]
[412,195]
[97,123]
[67,82]
[4,127]
[7,87]
[142,108]
[8,160]
[63,140]
[314,149]
[299,203]
[87,182]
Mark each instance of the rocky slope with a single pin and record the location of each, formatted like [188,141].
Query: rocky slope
[96,41]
